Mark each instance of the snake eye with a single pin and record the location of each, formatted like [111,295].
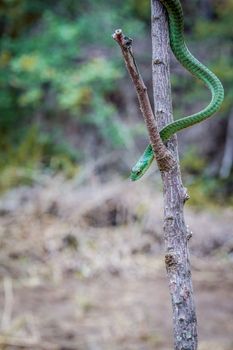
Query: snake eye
[137,172]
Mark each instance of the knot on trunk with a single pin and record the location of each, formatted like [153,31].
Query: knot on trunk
[171,261]
[165,161]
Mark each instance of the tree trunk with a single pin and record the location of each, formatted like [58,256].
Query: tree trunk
[227,161]
[176,234]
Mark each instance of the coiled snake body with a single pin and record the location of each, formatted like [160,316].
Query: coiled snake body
[183,55]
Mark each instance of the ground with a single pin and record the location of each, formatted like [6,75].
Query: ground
[82,268]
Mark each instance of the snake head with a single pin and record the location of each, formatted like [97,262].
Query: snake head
[136,173]
[142,164]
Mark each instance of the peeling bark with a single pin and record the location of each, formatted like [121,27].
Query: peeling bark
[176,234]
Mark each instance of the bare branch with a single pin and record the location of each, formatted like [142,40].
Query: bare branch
[163,156]
[176,233]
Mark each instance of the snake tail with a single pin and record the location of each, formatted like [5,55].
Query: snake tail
[188,61]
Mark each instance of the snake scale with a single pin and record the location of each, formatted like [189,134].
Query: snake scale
[183,55]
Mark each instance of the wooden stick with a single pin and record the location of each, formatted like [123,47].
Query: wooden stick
[163,156]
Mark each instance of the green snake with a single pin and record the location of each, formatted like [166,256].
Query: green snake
[183,55]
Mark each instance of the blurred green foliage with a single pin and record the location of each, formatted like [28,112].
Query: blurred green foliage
[52,63]
[205,191]
[210,30]
[192,162]
[217,32]
[59,66]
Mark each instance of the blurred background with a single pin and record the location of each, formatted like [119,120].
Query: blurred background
[81,249]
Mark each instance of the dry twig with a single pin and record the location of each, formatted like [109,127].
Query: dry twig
[163,156]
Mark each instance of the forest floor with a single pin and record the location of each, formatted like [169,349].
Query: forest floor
[82,268]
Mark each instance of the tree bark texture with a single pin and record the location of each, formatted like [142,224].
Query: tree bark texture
[227,160]
[176,233]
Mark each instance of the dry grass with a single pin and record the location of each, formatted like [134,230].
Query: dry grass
[82,268]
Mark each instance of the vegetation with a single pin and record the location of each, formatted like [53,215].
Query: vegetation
[59,76]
